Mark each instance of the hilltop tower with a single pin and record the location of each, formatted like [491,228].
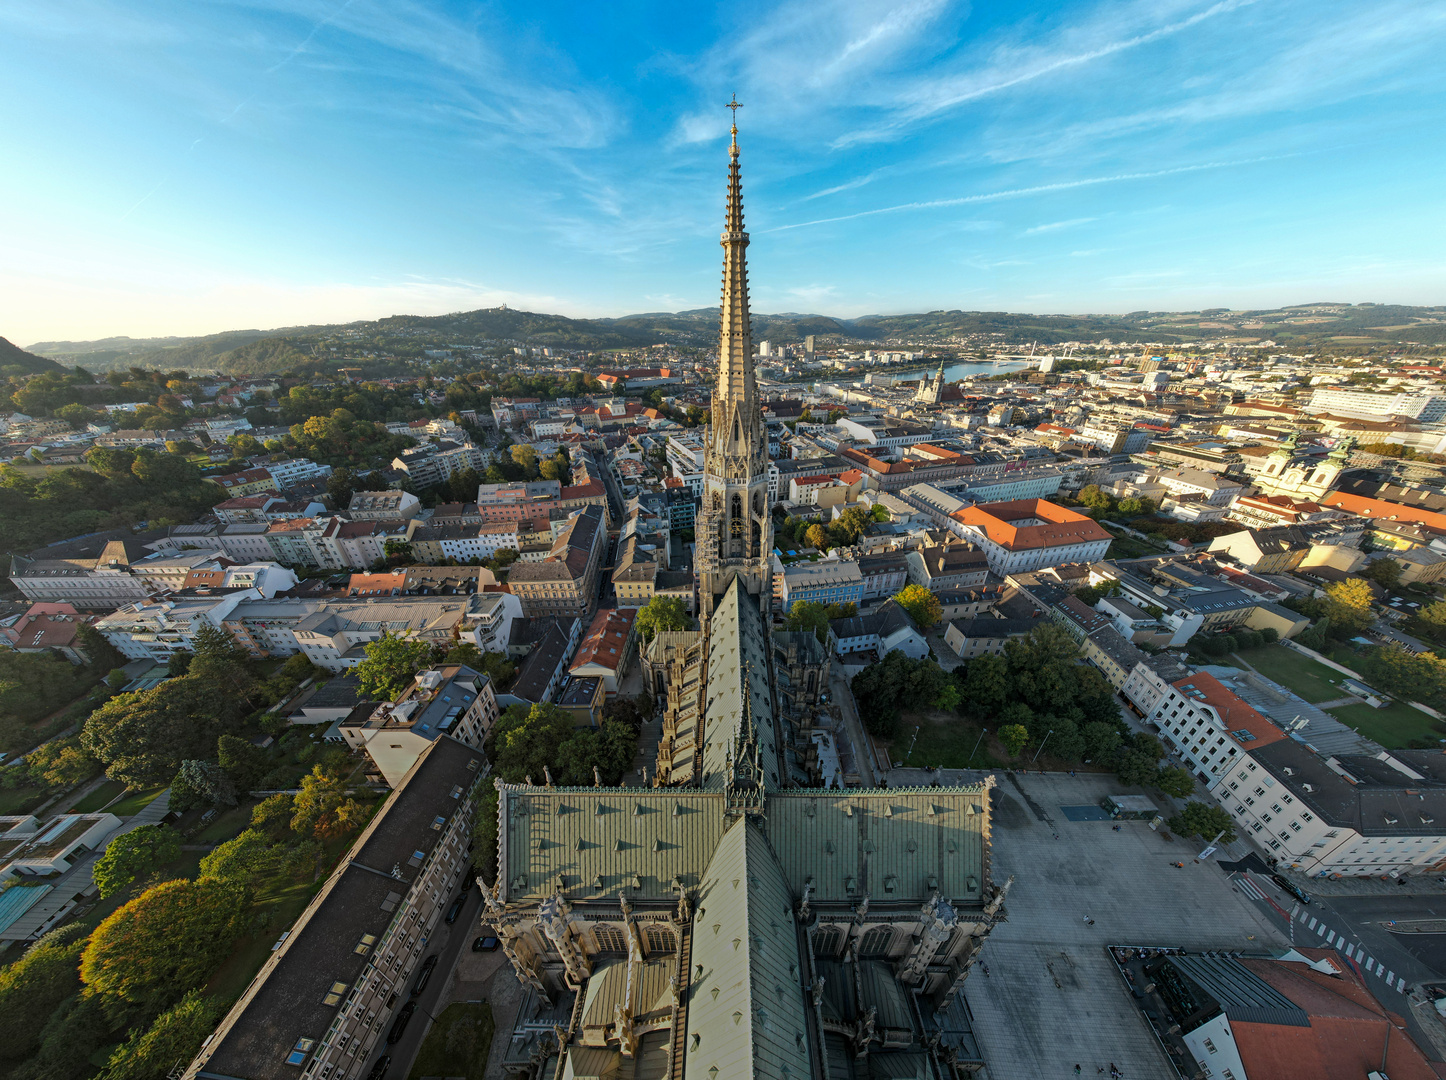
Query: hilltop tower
[735,528]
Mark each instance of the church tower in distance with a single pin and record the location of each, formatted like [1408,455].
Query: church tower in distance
[735,526]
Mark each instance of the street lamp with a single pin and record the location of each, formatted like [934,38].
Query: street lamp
[912,742]
[982,732]
[1047,734]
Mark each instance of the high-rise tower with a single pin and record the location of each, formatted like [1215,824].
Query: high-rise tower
[735,528]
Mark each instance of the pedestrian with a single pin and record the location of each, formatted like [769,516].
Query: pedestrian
[1076,1070]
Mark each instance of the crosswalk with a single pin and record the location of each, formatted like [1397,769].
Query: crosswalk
[1354,952]
[1332,938]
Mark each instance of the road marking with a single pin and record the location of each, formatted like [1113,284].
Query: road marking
[1312,924]
[1402,985]
[1390,976]
[1331,937]
[1248,888]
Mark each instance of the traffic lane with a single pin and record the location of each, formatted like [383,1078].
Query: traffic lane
[1366,914]
[447,942]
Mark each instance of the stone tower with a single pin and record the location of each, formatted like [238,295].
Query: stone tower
[735,530]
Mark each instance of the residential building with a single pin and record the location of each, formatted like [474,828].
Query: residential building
[1028,534]
[293,542]
[986,635]
[1150,681]
[566,582]
[1264,551]
[293,471]
[685,459]
[452,700]
[1272,511]
[1424,408]
[434,462]
[334,635]
[948,568]
[359,545]
[607,648]
[46,628]
[544,666]
[489,618]
[882,575]
[824,582]
[324,998]
[29,849]
[393,505]
[1209,726]
[877,634]
[101,582]
[584,699]
[246,482]
[156,629]
[1356,815]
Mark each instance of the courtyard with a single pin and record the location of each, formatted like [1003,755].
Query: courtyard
[1053,998]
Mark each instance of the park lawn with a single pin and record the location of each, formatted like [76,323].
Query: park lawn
[18,800]
[98,798]
[945,741]
[458,1043]
[1392,726]
[227,825]
[1312,680]
[135,802]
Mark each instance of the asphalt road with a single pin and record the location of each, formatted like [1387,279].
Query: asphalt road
[447,942]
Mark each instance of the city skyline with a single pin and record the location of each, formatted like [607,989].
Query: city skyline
[191,171]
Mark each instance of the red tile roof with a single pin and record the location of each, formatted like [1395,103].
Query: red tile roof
[606,640]
[1234,712]
[1380,508]
[1057,526]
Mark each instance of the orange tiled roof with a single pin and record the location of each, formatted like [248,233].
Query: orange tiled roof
[1058,526]
[1234,712]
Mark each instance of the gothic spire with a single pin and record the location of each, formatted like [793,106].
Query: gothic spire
[735,406]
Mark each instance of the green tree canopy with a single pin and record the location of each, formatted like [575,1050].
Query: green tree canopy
[143,737]
[1014,738]
[390,666]
[175,1035]
[1409,676]
[1384,571]
[243,858]
[986,685]
[662,613]
[1175,781]
[1199,819]
[166,941]
[922,606]
[134,854]
[808,615]
[33,987]
[1348,606]
[324,809]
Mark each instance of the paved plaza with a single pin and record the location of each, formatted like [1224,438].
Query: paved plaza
[1053,998]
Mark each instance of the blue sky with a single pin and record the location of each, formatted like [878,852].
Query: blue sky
[187,166]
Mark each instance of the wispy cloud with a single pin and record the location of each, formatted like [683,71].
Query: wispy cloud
[1055,226]
[1017,193]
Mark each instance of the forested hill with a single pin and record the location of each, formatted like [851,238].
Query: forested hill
[16,361]
[1340,326]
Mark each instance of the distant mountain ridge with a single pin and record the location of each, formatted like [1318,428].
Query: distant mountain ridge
[260,351]
[16,361]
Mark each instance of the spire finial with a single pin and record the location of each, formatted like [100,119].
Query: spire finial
[735,105]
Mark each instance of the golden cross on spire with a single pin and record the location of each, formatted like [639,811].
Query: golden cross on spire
[735,105]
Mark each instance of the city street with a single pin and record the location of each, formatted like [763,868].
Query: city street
[448,942]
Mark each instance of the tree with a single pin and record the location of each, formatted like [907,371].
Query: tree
[33,987]
[1102,741]
[166,941]
[808,615]
[244,762]
[949,698]
[134,854]
[61,762]
[1066,744]
[208,781]
[323,808]
[1175,781]
[662,613]
[1384,571]
[817,537]
[525,740]
[175,1035]
[1135,769]
[525,456]
[1093,497]
[1409,676]
[922,606]
[484,834]
[341,485]
[1348,606]
[986,685]
[390,666]
[1198,819]
[242,858]
[273,815]
[1014,738]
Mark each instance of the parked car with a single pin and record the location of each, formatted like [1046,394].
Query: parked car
[399,1025]
[424,974]
[456,909]
[1288,886]
[379,1070]
[485,943]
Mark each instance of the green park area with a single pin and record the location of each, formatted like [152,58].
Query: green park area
[458,1043]
[1312,680]
[1394,725]
[98,798]
[945,741]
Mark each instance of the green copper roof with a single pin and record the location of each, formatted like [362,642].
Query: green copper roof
[888,844]
[737,666]
[602,841]
[745,1012]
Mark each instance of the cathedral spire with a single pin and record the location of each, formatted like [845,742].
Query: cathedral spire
[735,401]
